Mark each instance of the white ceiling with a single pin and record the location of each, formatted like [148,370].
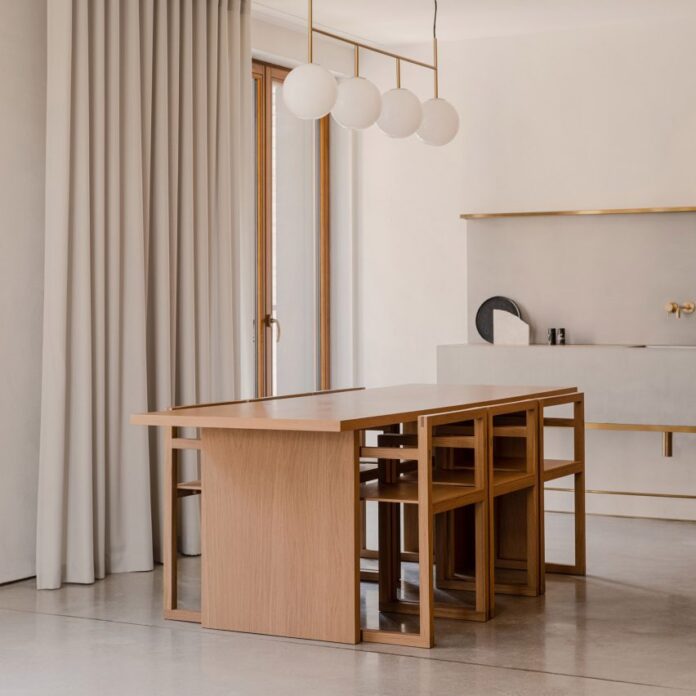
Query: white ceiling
[407,21]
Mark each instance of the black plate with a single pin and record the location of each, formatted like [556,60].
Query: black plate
[484,316]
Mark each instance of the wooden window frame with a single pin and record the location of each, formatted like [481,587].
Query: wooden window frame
[265,74]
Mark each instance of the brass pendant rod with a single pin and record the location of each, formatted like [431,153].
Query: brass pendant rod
[398,73]
[381,51]
[356,62]
[435,72]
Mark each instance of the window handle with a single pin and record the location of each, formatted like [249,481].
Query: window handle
[268,322]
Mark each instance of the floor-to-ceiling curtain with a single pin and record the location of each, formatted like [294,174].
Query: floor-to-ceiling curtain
[148,190]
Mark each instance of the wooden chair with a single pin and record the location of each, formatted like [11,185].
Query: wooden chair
[369,471]
[551,469]
[513,508]
[434,493]
[514,497]
[174,489]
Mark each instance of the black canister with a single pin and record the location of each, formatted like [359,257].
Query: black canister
[560,337]
[551,337]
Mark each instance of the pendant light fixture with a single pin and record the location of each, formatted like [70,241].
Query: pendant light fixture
[440,119]
[359,102]
[401,113]
[401,110]
[310,92]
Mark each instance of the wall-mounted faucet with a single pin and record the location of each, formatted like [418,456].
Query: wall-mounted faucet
[677,309]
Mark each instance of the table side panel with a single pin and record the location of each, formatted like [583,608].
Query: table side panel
[281,533]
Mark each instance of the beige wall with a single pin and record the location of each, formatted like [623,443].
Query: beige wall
[584,118]
[589,118]
[604,279]
[22,162]
[598,118]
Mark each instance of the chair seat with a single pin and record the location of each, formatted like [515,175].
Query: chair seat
[558,468]
[504,480]
[445,496]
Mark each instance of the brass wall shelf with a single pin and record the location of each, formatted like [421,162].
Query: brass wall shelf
[607,211]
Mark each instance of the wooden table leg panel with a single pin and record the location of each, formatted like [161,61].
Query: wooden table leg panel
[169,555]
[281,533]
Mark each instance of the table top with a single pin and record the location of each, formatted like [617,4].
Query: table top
[345,410]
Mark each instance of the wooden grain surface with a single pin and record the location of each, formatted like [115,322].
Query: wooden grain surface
[350,410]
[280,534]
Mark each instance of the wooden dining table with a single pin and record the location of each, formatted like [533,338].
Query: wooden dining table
[280,519]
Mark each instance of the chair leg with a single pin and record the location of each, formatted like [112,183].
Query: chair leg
[579,566]
[491,554]
[442,547]
[410,529]
[389,564]
[389,539]
[425,573]
[363,526]
[410,511]
[533,551]
[580,532]
[542,541]
[170,523]
[579,447]
[540,497]
[483,580]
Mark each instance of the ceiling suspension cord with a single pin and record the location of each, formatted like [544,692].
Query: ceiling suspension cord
[436,77]
[435,21]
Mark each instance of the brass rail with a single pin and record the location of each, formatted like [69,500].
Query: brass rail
[640,427]
[398,57]
[381,51]
[675,496]
[667,437]
[666,430]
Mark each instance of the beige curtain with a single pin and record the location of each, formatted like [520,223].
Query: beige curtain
[147,193]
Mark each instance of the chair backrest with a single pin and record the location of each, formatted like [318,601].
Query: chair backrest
[576,422]
[525,427]
[468,430]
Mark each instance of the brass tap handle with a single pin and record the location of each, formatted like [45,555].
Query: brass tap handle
[677,309]
[673,308]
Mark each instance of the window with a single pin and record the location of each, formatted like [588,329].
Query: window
[292,257]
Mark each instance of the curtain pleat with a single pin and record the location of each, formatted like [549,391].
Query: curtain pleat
[149,117]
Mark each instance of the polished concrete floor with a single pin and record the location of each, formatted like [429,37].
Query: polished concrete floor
[628,628]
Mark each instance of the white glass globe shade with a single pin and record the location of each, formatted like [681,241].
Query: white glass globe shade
[309,91]
[440,122]
[401,113]
[358,104]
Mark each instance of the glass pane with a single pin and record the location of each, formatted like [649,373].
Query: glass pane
[294,244]
[256,96]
